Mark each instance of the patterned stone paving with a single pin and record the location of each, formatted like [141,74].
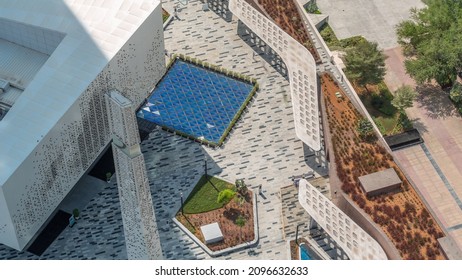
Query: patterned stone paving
[262,148]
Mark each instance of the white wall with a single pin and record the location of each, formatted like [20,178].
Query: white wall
[40,39]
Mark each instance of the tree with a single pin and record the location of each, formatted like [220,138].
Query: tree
[404,97]
[456,93]
[365,63]
[108,176]
[364,128]
[432,41]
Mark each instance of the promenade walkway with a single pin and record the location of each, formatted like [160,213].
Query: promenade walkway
[436,166]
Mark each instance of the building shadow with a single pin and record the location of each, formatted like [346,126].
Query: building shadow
[220,7]
[174,165]
[260,48]
[316,160]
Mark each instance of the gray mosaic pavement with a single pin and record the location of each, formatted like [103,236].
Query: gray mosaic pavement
[262,148]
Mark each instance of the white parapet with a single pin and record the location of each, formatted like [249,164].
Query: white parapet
[355,242]
[301,67]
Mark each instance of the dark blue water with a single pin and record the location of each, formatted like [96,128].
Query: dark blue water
[304,253]
[196,101]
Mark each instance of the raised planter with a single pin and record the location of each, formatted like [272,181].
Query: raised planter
[230,249]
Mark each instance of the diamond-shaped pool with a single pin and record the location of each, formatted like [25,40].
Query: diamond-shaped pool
[195,101]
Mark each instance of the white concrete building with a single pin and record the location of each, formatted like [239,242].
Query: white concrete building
[57,60]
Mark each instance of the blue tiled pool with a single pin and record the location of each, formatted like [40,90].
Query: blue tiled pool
[304,255]
[195,101]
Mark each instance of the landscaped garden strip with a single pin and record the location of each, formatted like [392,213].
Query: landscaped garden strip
[165,15]
[401,215]
[286,15]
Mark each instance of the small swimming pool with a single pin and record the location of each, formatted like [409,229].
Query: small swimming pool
[304,252]
[195,101]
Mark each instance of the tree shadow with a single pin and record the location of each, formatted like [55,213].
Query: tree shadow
[419,125]
[435,102]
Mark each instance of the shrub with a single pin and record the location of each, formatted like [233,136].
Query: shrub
[456,93]
[76,213]
[364,127]
[404,121]
[352,41]
[329,36]
[225,196]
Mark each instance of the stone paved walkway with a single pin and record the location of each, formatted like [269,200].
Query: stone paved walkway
[294,216]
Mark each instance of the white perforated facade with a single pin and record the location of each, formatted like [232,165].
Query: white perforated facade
[356,243]
[301,69]
[58,126]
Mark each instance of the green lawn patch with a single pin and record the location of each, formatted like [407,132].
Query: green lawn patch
[203,197]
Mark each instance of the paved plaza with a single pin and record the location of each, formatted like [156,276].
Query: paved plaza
[262,149]
[373,19]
